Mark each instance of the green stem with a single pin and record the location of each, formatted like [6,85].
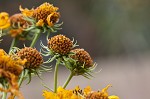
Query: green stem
[56,75]
[68,80]
[23,75]
[13,43]
[35,39]
[4,95]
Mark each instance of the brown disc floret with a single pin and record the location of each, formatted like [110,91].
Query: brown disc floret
[33,57]
[82,57]
[60,44]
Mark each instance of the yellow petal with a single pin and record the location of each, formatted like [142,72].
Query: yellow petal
[40,23]
[113,97]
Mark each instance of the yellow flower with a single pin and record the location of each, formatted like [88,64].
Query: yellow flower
[26,12]
[49,95]
[113,97]
[61,94]
[53,18]
[4,20]
[11,63]
[77,93]
[47,13]
[87,90]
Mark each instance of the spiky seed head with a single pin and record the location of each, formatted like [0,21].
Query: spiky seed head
[82,57]
[60,44]
[34,58]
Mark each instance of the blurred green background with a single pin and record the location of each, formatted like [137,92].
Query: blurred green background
[114,32]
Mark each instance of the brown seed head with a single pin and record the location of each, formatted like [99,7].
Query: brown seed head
[34,58]
[83,57]
[60,44]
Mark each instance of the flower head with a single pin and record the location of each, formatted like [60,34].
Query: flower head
[103,94]
[78,93]
[61,94]
[60,44]
[4,20]
[11,63]
[87,90]
[17,20]
[47,13]
[18,24]
[34,58]
[82,57]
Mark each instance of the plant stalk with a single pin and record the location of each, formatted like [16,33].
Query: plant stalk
[13,43]
[4,96]
[35,39]
[56,75]
[23,75]
[68,80]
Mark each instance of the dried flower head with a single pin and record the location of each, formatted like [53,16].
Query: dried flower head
[18,24]
[4,20]
[13,85]
[11,63]
[95,95]
[47,13]
[34,58]
[60,44]
[17,20]
[82,57]
[103,94]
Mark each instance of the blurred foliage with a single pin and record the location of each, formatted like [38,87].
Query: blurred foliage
[123,25]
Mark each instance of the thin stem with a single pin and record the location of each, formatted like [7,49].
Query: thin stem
[4,94]
[56,75]
[68,80]
[13,43]
[37,35]
[23,74]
